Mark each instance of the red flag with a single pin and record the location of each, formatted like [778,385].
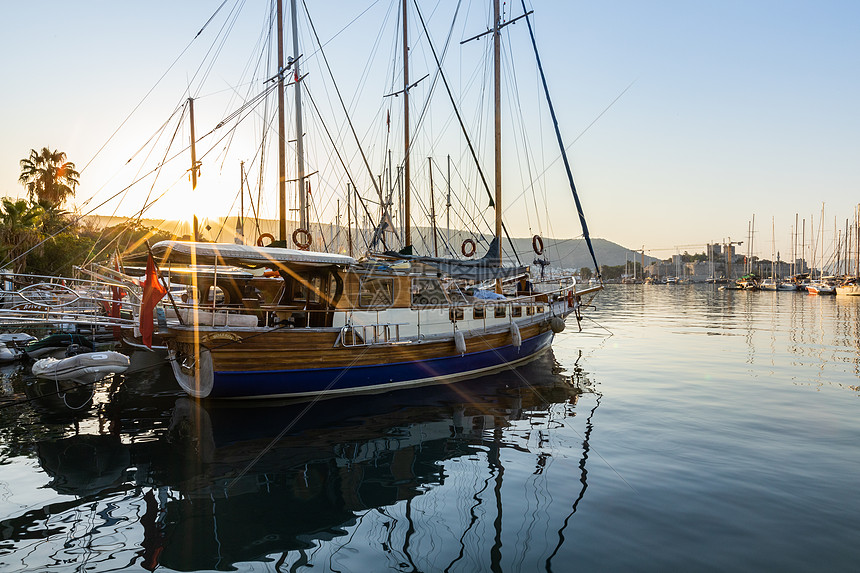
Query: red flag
[153,291]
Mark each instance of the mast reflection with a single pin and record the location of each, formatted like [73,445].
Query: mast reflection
[215,484]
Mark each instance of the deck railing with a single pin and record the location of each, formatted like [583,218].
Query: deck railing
[352,335]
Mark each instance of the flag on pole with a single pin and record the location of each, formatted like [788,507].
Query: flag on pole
[153,291]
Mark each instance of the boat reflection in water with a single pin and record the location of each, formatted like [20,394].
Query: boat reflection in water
[229,483]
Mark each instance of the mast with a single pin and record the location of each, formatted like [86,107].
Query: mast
[821,241]
[194,166]
[857,240]
[282,133]
[240,223]
[576,201]
[813,247]
[407,216]
[772,247]
[497,114]
[432,208]
[794,250]
[349,218]
[448,207]
[300,156]
[729,259]
[752,242]
[803,247]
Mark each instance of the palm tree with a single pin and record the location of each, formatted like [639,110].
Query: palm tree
[49,177]
[20,222]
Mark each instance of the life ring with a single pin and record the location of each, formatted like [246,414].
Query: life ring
[537,244]
[470,243]
[263,236]
[305,244]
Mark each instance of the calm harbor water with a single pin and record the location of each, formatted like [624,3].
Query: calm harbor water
[683,429]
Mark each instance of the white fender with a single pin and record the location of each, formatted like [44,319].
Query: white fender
[516,337]
[197,382]
[460,342]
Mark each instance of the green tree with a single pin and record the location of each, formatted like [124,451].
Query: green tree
[59,254]
[697,258]
[612,272]
[128,238]
[585,273]
[20,231]
[48,177]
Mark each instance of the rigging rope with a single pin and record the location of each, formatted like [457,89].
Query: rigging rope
[463,127]
[561,146]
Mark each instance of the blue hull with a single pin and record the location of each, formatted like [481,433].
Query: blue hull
[375,378]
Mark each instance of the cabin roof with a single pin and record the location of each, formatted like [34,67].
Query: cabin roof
[247,255]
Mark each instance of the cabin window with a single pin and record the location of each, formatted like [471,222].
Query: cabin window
[540,309]
[215,295]
[314,288]
[500,311]
[190,295]
[427,291]
[308,288]
[516,311]
[478,313]
[530,310]
[299,290]
[455,314]
[376,293]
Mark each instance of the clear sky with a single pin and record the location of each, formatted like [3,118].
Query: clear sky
[734,108]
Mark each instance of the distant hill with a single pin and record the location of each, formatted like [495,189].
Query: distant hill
[573,253]
[563,253]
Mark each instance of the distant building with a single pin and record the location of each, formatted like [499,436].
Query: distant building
[714,251]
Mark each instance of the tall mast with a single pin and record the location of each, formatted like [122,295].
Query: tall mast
[432,208]
[194,166]
[300,155]
[729,256]
[349,218]
[448,207]
[821,243]
[497,98]
[857,240]
[407,215]
[240,223]
[752,242]
[803,264]
[282,133]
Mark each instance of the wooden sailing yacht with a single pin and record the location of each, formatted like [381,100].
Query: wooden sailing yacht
[321,324]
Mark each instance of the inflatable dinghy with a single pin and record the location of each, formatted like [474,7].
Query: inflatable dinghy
[56,345]
[84,368]
[8,354]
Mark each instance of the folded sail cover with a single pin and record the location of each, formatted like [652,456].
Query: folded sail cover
[485,268]
[246,255]
[251,256]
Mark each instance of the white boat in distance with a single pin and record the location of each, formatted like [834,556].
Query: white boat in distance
[849,287]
